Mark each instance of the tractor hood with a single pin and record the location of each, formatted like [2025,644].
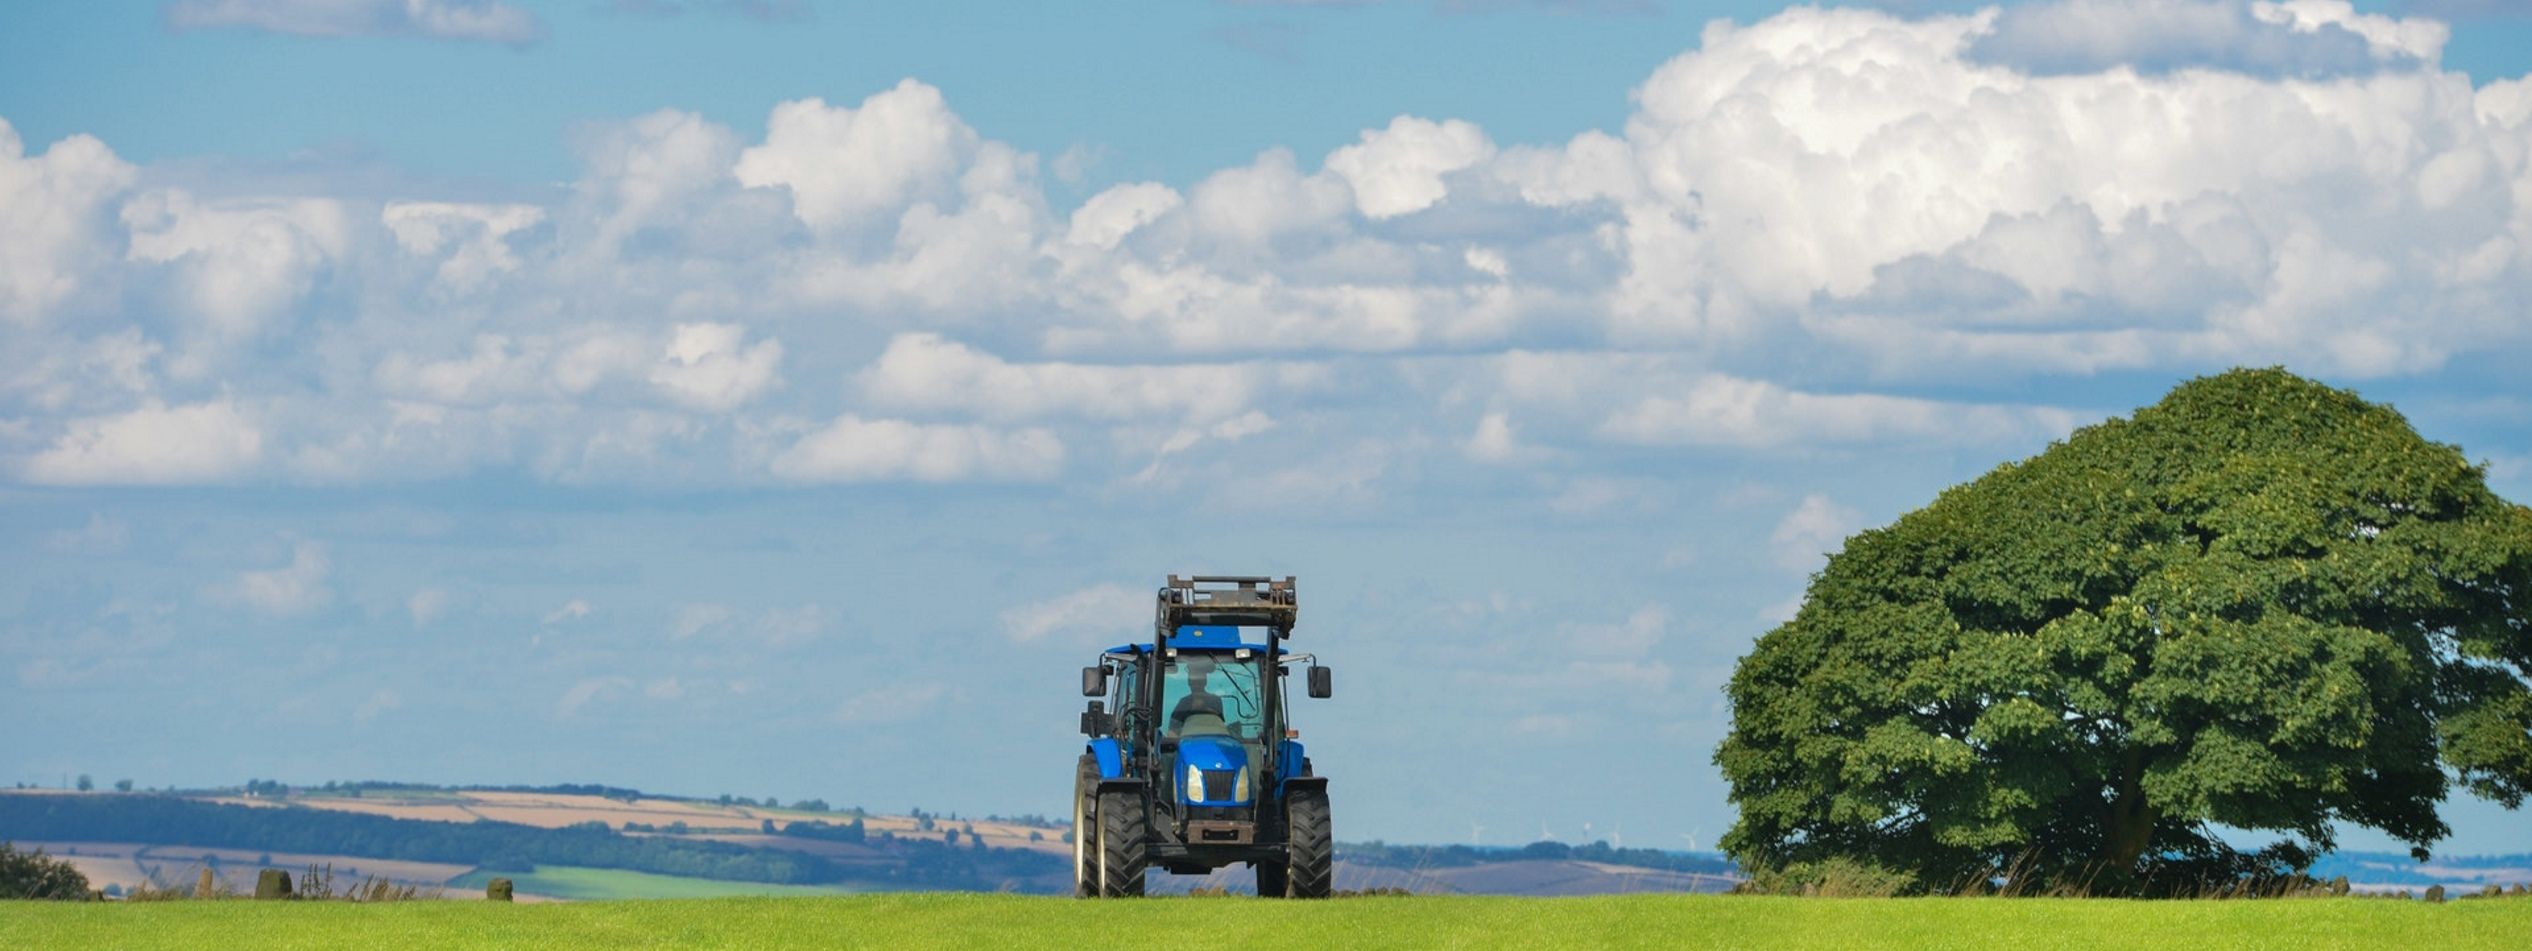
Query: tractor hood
[1211,753]
[1211,771]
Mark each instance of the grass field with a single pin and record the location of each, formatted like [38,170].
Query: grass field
[604,884]
[934,920]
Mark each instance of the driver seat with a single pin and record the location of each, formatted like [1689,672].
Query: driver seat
[1203,724]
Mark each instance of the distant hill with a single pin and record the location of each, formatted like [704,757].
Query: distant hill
[523,830]
[593,841]
[2394,871]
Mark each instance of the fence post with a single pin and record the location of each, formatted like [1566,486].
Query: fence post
[202,887]
[272,884]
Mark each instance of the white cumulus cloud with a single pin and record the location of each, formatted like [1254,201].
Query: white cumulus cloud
[154,444]
[55,205]
[1107,217]
[707,366]
[1400,169]
[239,262]
[1863,158]
[1887,202]
[470,240]
[850,166]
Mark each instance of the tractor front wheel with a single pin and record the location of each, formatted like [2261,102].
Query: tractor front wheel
[1086,829]
[1125,832]
[1310,847]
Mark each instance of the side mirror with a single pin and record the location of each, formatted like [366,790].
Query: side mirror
[1094,681]
[1094,721]
[1321,687]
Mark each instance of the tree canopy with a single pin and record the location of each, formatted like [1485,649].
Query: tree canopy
[2259,604]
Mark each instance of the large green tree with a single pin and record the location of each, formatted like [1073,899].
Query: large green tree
[2261,603]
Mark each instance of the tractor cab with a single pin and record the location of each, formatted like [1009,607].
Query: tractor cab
[1211,719]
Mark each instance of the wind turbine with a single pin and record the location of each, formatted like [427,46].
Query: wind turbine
[1544,835]
[1617,836]
[1692,838]
[1473,831]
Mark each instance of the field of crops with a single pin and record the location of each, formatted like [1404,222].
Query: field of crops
[1005,922]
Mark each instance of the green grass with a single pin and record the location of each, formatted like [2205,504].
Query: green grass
[606,884]
[1002,922]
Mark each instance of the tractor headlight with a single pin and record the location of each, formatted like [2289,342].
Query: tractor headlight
[1195,784]
[1239,786]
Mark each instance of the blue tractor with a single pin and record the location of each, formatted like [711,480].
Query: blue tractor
[1191,764]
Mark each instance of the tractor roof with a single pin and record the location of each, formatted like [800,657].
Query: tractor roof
[1199,637]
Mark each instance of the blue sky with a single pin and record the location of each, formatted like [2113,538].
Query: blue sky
[784,399]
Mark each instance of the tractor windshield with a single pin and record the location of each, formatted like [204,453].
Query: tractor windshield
[1213,694]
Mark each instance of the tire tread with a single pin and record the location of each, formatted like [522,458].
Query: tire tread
[1125,830]
[1310,846]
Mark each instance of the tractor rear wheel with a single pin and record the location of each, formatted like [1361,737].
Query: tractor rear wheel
[1309,845]
[1271,878]
[1125,831]
[1086,829]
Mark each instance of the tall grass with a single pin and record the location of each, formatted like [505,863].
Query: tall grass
[317,883]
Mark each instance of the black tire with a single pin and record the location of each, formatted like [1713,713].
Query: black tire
[1272,879]
[1125,831]
[1310,846]
[1086,828]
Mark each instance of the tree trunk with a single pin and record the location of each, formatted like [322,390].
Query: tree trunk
[2130,829]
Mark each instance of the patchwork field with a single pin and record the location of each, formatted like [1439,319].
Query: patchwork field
[555,810]
[936,920]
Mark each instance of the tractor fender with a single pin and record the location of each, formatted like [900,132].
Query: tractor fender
[1289,760]
[1319,783]
[1111,760]
[1127,784]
